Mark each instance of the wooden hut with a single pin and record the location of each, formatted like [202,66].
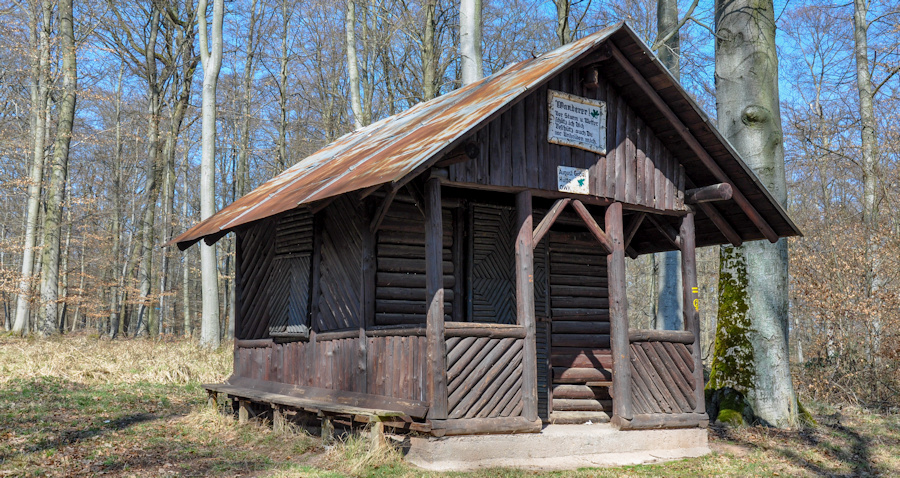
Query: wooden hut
[459,268]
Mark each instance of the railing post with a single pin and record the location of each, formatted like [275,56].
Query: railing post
[434,283]
[691,294]
[618,317]
[525,302]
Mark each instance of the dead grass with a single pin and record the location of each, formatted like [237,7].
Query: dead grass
[81,406]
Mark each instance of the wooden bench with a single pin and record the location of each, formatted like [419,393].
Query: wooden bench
[315,401]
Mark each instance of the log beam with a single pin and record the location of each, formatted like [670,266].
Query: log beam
[666,230]
[618,315]
[593,227]
[692,142]
[547,222]
[691,306]
[525,302]
[632,228]
[434,280]
[715,192]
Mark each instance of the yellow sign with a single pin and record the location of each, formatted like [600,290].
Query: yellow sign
[697,305]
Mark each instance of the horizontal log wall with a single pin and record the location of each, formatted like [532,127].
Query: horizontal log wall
[484,377]
[514,151]
[580,342]
[662,380]
[400,266]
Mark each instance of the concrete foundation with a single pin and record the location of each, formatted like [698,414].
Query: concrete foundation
[557,447]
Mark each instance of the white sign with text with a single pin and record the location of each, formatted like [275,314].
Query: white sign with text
[576,121]
[572,180]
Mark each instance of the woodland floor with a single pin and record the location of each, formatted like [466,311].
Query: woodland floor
[80,406]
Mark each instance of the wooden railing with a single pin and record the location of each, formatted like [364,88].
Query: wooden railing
[665,392]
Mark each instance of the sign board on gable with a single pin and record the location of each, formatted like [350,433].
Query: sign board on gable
[572,180]
[576,121]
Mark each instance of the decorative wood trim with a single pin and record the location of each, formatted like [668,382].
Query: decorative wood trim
[632,228]
[667,231]
[592,225]
[547,222]
[382,211]
[692,142]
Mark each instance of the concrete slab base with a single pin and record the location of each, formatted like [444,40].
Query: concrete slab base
[557,447]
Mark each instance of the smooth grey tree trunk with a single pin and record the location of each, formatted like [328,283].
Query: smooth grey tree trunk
[668,310]
[470,35]
[869,161]
[39,38]
[353,64]
[211,57]
[429,52]
[57,189]
[563,31]
[751,353]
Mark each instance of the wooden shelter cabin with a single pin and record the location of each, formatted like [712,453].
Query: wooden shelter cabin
[459,268]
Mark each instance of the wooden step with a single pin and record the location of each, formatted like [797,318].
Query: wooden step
[572,418]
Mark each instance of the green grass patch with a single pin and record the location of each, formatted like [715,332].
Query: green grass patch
[78,406]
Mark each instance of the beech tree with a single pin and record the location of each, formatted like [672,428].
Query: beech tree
[751,351]
[211,59]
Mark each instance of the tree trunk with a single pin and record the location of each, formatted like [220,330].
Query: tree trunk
[151,183]
[563,32]
[211,57]
[751,352]
[353,65]
[57,189]
[40,71]
[668,310]
[429,52]
[869,161]
[470,34]
[282,88]
[114,290]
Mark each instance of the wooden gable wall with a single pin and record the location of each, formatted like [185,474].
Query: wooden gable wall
[514,151]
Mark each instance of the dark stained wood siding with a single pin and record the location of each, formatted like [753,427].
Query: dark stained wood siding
[255,252]
[514,151]
[395,365]
[340,285]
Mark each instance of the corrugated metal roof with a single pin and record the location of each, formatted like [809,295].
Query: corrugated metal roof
[394,148]
[388,150]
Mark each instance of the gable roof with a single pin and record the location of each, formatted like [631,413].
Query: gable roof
[396,149]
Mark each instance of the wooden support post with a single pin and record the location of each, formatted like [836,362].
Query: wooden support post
[691,306]
[525,302]
[618,316]
[434,284]
[243,411]
[277,419]
[376,430]
[327,430]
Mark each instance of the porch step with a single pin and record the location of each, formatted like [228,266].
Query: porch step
[570,418]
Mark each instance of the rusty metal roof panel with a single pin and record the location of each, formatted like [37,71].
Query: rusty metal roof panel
[390,149]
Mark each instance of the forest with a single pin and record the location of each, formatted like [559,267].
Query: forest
[100,164]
